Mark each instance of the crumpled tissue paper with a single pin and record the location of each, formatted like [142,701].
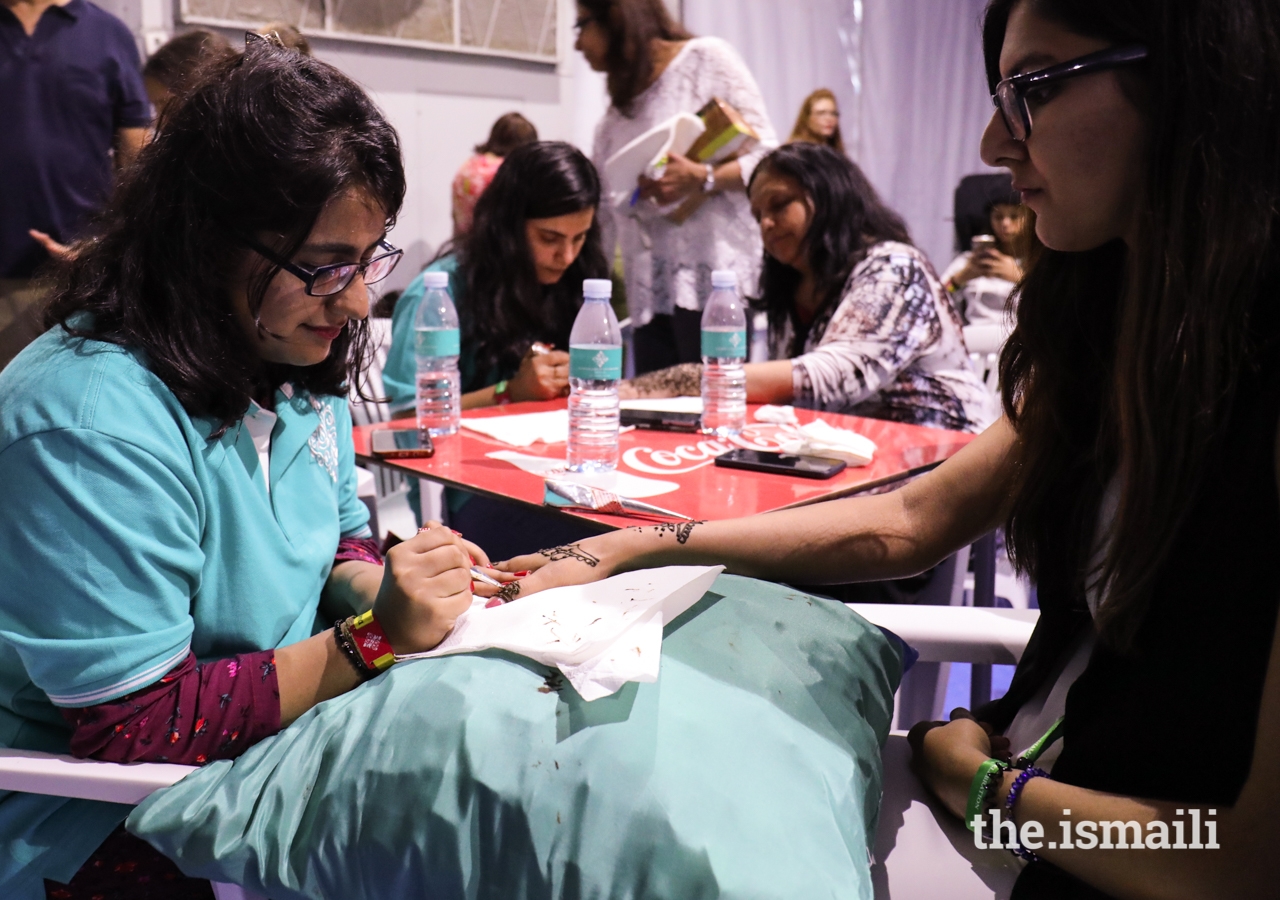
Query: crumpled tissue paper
[599,635]
[820,438]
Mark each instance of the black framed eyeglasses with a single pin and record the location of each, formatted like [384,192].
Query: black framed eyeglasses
[1011,93]
[325,281]
[582,22]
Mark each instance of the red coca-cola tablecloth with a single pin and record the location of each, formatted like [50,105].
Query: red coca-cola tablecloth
[702,490]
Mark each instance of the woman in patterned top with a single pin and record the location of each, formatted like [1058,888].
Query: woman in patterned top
[858,321]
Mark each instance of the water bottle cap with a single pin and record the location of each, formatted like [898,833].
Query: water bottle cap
[434,280]
[597,288]
[724,278]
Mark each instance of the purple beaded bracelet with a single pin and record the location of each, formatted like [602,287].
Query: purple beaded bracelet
[1015,791]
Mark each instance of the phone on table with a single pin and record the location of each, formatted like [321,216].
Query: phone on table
[782,463]
[656,420]
[402,443]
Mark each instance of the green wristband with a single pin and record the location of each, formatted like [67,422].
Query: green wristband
[982,788]
[1033,753]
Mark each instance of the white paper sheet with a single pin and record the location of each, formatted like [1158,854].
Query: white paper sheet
[622,483]
[524,429]
[552,427]
[667,404]
[599,635]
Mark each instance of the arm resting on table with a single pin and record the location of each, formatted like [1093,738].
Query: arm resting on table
[855,539]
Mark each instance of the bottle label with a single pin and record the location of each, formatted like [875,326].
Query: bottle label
[722,344]
[595,363]
[436,342]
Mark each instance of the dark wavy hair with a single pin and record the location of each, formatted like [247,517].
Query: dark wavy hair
[506,309]
[632,25]
[848,217]
[1184,304]
[259,146]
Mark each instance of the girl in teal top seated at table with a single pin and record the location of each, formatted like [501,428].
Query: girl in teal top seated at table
[176,452]
[516,278]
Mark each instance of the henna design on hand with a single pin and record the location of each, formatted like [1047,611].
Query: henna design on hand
[681,530]
[570,551]
[508,591]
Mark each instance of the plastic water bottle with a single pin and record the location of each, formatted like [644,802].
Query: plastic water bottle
[435,332]
[724,349]
[595,365]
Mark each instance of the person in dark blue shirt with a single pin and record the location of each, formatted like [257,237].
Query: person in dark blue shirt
[74,110]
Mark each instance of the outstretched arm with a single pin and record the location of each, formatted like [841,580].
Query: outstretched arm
[767,382]
[856,539]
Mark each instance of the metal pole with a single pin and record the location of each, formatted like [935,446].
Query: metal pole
[984,594]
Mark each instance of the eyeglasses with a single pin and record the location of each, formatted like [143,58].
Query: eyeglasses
[325,281]
[582,22]
[1011,93]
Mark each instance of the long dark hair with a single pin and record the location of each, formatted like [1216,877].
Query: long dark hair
[506,309]
[260,145]
[847,218]
[1185,304]
[632,26]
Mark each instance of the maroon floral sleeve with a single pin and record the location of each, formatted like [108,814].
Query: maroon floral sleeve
[363,549]
[194,714]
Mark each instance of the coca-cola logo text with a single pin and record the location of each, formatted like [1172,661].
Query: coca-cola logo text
[689,457]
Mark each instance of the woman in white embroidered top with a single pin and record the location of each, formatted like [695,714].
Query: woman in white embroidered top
[655,71]
[858,321]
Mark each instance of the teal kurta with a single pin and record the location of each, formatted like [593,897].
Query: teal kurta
[127,538]
[401,367]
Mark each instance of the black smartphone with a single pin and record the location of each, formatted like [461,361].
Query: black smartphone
[656,420]
[402,443]
[782,463]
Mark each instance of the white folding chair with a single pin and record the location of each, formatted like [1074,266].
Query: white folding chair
[88,779]
[984,342]
[921,851]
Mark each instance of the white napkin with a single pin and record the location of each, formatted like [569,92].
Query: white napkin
[667,404]
[524,429]
[820,438]
[600,635]
[777,415]
[623,483]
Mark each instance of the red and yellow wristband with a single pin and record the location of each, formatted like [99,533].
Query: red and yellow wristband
[364,643]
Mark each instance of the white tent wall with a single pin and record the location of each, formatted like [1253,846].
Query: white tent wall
[442,104]
[914,124]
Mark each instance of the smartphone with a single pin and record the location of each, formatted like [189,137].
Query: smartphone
[982,242]
[402,443]
[782,463]
[657,420]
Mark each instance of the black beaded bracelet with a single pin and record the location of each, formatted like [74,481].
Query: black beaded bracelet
[1015,791]
[342,637]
